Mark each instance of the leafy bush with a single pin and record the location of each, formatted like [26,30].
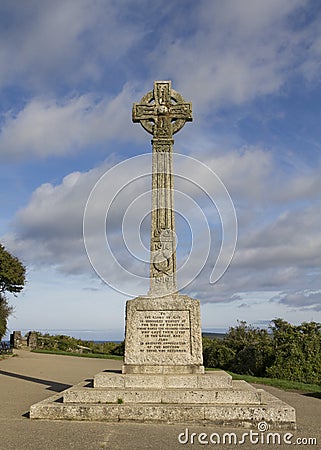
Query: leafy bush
[217,354]
[297,352]
[284,351]
[70,344]
[253,349]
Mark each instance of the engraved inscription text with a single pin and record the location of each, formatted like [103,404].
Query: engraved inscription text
[164,331]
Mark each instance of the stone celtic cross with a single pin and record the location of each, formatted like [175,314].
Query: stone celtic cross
[162,112]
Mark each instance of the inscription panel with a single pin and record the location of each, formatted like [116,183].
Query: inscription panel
[164,332]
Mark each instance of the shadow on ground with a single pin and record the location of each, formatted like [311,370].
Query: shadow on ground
[313,394]
[52,385]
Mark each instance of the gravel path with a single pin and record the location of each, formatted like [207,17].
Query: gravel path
[31,377]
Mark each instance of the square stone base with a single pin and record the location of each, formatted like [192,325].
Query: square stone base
[163,378]
[163,369]
[209,398]
[163,335]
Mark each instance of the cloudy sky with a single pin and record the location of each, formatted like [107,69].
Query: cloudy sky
[70,71]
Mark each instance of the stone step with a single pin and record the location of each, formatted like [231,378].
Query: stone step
[163,396]
[274,412]
[163,369]
[208,380]
[211,398]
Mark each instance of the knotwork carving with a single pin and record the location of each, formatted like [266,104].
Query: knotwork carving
[163,111]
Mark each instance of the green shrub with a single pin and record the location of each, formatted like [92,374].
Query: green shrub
[286,351]
[297,352]
[217,354]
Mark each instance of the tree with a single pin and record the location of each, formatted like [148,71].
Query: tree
[217,354]
[5,311]
[12,280]
[253,349]
[297,351]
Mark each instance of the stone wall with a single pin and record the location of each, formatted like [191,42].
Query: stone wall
[29,341]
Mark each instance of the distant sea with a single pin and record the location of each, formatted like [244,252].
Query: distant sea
[207,335]
[85,335]
[101,336]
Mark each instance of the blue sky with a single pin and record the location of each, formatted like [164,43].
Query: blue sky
[70,72]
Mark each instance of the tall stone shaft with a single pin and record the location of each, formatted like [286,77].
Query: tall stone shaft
[162,112]
[163,238]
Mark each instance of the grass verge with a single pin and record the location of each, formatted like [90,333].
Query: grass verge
[281,384]
[286,385]
[81,355]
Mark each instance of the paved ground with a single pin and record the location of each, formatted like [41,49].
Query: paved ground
[30,377]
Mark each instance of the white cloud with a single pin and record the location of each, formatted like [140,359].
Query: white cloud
[305,300]
[278,249]
[219,52]
[306,186]
[245,172]
[64,42]
[233,52]
[50,127]
[48,231]
[294,236]
[241,50]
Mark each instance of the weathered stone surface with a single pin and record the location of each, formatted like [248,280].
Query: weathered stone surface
[208,380]
[148,398]
[163,332]
[162,112]
[270,409]
[164,396]
[186,369]
[236,416]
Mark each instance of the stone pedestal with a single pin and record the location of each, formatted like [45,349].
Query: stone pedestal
[163,378]
[163,335]
[209,398]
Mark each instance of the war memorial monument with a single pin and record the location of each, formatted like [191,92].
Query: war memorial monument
[163,377]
